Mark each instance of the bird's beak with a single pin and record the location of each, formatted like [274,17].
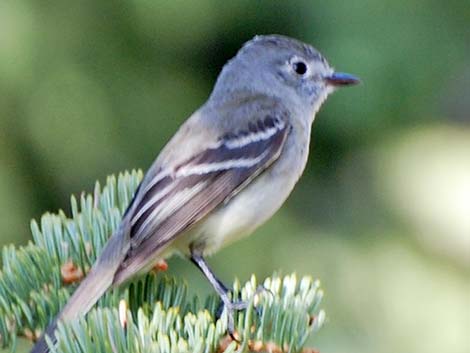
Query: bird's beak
[339,79]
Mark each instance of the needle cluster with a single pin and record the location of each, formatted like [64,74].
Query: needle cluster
[154,313]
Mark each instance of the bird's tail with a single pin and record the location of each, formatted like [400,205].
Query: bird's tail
[98,280]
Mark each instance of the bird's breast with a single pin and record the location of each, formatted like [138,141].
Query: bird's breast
[258,201]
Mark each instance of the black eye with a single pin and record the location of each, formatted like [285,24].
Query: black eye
[299,67]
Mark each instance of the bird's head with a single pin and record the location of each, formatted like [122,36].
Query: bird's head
[283,67]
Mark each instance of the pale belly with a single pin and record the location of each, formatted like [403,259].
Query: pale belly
[241,216]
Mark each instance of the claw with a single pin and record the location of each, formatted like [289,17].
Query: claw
[239,305]
[262,289]
[231,307]
[224,294]
[233,336]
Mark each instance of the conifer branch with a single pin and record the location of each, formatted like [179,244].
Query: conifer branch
[156,314]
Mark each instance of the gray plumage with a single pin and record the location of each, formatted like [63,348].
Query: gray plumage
[226,171]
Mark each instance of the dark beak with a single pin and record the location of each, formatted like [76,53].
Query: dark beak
[341,79]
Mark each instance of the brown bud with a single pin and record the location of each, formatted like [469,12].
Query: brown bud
[71,273]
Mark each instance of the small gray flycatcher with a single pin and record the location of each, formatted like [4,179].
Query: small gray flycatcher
[226,171]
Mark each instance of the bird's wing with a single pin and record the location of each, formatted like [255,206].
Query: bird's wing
[177,198]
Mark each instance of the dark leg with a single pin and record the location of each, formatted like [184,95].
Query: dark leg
[221,290]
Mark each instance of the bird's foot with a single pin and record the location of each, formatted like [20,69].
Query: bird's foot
[233,306]
[230,306]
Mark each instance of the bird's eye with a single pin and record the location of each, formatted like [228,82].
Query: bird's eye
[299,67]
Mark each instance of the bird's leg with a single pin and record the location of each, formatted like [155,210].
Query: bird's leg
[221,289]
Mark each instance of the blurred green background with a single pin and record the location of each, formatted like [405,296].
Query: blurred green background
[382,214]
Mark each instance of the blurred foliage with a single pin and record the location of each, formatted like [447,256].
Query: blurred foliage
[91,88]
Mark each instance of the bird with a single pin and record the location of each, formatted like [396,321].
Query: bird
[228,168]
